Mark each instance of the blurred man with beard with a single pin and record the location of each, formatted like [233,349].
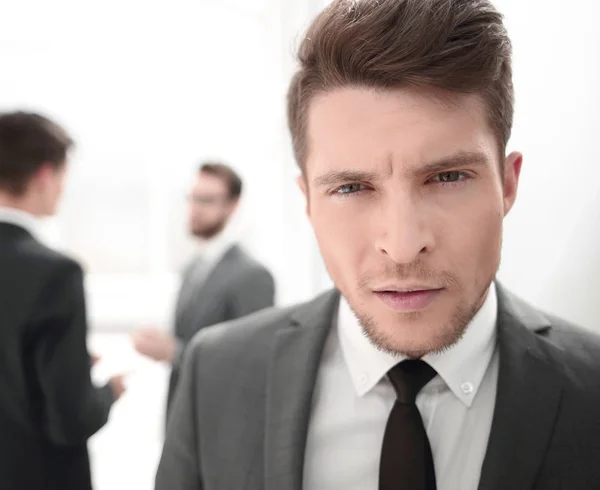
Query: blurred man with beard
[221,283]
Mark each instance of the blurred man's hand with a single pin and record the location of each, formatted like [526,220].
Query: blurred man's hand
[155,344]
[117,385]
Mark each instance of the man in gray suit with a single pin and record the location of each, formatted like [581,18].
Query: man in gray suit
[221,283]
[419,371]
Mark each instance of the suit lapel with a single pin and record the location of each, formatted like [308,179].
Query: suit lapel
[197,286]
[527,400]
[292,376]
[184,290]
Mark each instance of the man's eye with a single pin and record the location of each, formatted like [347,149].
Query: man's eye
[449,177]
[349,188]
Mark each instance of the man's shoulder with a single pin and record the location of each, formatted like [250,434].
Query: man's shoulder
[244,262]
[50,259]
[244,334]
[254,334]
[579,346]
[575,352]
[576,346]
[33,257]
[575,355]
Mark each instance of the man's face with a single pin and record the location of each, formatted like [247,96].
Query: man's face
[406,198]
[209,206]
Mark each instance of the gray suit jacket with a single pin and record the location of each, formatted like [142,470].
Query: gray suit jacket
[236,286]
[241,417]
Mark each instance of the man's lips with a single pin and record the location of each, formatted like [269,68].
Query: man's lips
[408,298]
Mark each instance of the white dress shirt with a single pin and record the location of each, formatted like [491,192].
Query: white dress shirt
[353,399]
[20,218]
[212,251]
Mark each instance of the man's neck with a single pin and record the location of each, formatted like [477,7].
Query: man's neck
[18,203]
[216,246]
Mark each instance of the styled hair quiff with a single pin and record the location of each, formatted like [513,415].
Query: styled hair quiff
[458,46]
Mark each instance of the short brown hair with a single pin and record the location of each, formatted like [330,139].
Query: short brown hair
[226,174]
[460,46]
[27,141]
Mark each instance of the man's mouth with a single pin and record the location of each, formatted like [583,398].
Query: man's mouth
[408,299]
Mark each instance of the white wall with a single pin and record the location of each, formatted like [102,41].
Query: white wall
[552,239]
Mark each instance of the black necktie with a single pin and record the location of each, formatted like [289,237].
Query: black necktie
[406,460]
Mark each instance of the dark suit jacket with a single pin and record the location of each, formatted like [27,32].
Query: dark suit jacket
[241,415]
[236,286]
[48,405]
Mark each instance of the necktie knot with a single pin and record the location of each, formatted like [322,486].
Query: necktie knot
[409,377]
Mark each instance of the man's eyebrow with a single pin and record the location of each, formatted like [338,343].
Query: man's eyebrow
[460,159]
[344,176]
[463,158]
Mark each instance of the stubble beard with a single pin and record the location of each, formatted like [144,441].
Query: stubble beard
[445,335]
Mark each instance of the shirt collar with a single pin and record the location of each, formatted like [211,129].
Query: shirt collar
[213,250]
[20,218]
[461,367]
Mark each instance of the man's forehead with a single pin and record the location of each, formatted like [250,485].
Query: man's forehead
[390,139]
[356,101]
[208,180]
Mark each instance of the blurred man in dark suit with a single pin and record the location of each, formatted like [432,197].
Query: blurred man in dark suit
[48,404]
[221,283]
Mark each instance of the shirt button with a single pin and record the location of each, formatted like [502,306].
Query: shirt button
[467,388]
[363,379]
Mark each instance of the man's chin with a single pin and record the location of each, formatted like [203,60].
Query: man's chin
[198,233]
[399,342]
[413,334]
[208,232]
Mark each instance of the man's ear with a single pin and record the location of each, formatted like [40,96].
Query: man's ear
[234,204]
[512,172]
[45,172]
[303,184]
